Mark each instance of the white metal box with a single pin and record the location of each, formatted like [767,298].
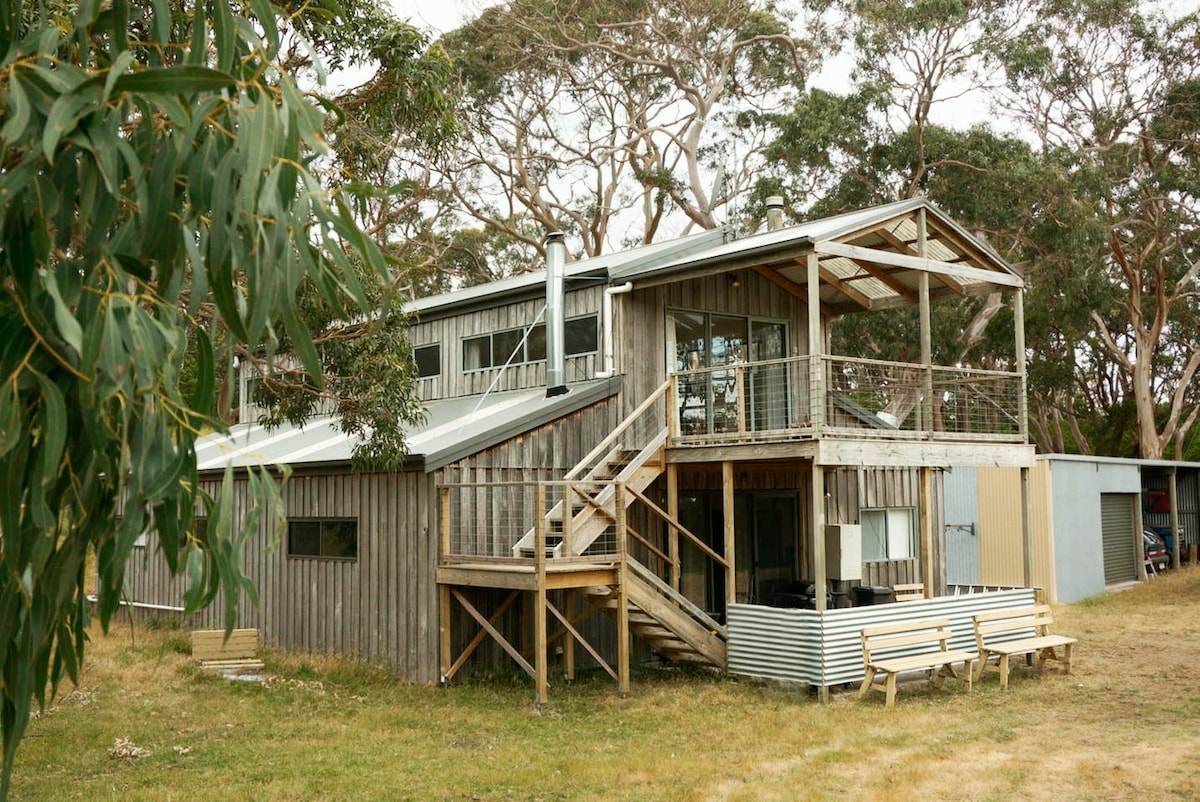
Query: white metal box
[843,551]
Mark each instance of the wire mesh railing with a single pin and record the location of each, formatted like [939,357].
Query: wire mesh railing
[505,521]
[800,396]
[743,401]
[885,398]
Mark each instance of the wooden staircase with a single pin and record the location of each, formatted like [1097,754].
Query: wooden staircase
[665,620]
[588,511]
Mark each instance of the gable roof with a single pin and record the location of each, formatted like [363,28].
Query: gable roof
[454,428]
[868,260]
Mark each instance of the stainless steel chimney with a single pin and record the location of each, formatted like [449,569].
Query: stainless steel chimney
[556,268]
[774,212]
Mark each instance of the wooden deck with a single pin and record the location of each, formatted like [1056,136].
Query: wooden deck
[523,575]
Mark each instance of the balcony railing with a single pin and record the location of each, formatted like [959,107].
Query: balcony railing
[803,397]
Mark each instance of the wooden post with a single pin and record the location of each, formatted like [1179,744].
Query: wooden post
[1019,325]
[730,534]
[672,532]
[925,407]
[623,592]
[445,644]
[673,408]
[927,575]
[444,520]
[739,375]
[569,645]
[816,347]
[568,518]
[820,574]
[1173,500]
[541,669]
[1026,529]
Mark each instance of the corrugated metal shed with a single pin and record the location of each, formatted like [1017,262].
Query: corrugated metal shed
[454,428]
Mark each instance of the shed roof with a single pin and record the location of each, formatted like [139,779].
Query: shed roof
[454,428]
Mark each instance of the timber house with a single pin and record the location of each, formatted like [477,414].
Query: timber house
[648,454]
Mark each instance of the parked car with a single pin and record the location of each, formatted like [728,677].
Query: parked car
[1155,549]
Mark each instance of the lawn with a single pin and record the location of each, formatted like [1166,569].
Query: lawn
[1124,725]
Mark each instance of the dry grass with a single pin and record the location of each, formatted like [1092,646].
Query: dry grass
[1123,726]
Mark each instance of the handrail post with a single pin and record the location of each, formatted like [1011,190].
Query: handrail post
[673,407]
[444,521]
[539,602]
[740,384]
[567,514]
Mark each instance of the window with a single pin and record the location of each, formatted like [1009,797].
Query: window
[493,350]
[580,335]
[428,359]
[331,538]
[887,534]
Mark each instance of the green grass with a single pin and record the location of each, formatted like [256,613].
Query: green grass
[1123,726]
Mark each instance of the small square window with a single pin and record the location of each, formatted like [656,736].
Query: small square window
[477,352]
[535,347]
[581,336]
[428,359]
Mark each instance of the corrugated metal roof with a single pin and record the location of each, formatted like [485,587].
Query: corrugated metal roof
[454,428]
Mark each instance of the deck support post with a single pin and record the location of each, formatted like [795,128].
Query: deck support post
[1027,528]
[672,532]
[445,644]
[927,574]
[1022,367]
[820,572]
[730,533]
[539,600]
[569,644]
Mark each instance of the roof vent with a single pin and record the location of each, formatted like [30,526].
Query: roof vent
[774,212]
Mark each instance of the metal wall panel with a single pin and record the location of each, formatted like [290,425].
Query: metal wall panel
[961,503]
[826,648]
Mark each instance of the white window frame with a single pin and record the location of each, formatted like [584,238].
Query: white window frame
[888,533]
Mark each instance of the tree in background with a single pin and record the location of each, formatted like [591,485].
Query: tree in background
[582,115]
[1092,194]
[156,181]
[1112,91]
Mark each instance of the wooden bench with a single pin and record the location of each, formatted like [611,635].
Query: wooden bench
[990,629]
[880,645]
[909,592]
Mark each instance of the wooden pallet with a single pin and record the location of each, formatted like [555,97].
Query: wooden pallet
[232,655]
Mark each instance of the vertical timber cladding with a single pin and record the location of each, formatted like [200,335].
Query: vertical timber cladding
[642,316]
[449,331]
[542,454]
[1117,530]
[849,490]
[381,606]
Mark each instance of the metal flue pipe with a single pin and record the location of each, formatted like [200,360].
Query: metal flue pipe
[556,268]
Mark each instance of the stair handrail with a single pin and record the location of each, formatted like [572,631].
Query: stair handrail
[680,528]
[684,602]
[607,442]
